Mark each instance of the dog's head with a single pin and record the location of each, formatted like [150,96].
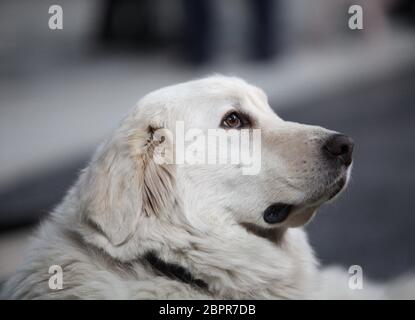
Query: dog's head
[144,171]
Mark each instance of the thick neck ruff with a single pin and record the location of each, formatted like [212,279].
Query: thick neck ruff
[177,272]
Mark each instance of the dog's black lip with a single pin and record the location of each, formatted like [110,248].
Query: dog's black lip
[277,212]
[338,186]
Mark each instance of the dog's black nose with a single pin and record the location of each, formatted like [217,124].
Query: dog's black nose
[339,146]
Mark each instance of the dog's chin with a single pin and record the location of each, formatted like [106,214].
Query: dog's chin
[282,214]
[338,186]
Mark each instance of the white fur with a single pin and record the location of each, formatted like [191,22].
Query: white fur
[124,205]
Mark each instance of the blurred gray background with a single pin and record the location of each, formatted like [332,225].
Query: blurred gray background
[63,91]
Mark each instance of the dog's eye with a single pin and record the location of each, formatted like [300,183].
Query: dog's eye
[232,120]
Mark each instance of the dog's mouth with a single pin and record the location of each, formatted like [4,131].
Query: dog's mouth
[279,212]
[337,187]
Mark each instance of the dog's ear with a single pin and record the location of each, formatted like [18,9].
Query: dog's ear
[124,185]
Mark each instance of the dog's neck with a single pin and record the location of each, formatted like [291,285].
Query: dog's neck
[231,261]
[238,261]
[244,265]
[177,272]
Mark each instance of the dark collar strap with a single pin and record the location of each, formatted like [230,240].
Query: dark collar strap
[174,271]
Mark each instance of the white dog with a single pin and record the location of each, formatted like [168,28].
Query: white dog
[134,228]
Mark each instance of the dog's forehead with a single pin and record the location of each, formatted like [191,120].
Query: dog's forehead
[208,97]
[210,88]
[227,88]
